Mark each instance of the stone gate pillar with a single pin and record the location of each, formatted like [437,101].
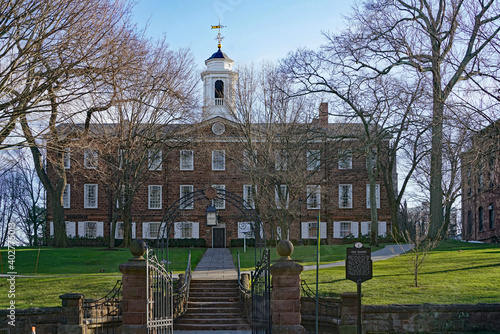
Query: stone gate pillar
[285,295]
[134,291]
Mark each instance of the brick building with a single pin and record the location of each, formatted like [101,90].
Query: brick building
[321,175]
[481,186]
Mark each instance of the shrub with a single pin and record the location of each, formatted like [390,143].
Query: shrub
[240,242]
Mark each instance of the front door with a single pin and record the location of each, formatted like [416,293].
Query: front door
[219,237]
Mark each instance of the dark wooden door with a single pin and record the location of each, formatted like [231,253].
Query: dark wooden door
[219,237]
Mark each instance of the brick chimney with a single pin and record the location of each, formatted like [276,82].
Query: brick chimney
[323,115]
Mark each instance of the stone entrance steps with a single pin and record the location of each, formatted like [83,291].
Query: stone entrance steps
[213,305]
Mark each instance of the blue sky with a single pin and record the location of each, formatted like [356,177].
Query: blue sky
[256,30]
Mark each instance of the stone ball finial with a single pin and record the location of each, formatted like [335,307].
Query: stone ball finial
[138,249]
[285,249]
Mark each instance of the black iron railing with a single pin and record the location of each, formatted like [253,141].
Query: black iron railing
[181,293]
[104,315]
[245,296]
[261,296]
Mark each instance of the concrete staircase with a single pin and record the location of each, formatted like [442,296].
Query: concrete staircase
[213,305]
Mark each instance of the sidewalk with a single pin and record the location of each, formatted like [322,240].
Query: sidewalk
[216,263]
[385,253]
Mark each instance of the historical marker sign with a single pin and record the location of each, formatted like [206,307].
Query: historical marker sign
[358,264]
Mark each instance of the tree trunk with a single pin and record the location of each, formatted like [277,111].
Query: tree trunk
[60,238]
[372,176]
[127,225]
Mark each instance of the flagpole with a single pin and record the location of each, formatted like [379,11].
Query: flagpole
[318,229]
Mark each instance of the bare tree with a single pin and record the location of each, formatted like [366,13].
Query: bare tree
[81,61]
[275,133]
[136,134]
[387,110]
[451,41]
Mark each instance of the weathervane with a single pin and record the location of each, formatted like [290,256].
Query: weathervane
[219,36]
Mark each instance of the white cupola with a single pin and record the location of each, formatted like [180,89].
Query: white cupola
[219,83]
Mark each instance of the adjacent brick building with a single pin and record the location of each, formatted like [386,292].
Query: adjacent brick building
[334,178]
[481,186]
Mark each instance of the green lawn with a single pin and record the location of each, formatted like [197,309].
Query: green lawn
[305,255]
[87,270]
[456,272]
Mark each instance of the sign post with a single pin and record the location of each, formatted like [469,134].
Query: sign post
[358,268]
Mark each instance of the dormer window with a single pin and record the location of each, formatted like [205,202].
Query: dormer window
[219,93]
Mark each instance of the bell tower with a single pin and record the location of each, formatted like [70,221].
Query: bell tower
[219,83]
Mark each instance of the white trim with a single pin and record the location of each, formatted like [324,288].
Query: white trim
[219,200]
[349,193]
[151,189]
[90,158]
[377,195]
[67,197]
[313,160]
[222,160]
[86,204]
[322,229]
[67,158]
[345,159]
[146,230]
[248,195]
[283,188]
[155,160]
[313,191]
[183,157]
[181,194]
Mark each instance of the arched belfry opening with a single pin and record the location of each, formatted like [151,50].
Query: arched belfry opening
[219,90]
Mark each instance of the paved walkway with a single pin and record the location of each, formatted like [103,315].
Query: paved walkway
[216,263]
[385,253]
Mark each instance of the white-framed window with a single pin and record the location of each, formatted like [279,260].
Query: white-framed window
[377,195]
[67,196]
[121,158]
[345,196]
[281,196]
[150,230]
[313,160]
[121,198]
[119,230]
[281,160]
[282,235]
[70,228]
[186,160]
[366,228]
[314,197]
[345,159]
[249,159]
[310,230]
[90,158]
[219,160]
[343,229]
[248,195]
[219,202]
[90,229]
[187,203]
[154,197]
[374,160]
[186,230]
[154,159]
[90,195]
[67,158]
[246,230]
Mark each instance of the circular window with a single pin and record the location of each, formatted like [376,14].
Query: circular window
[218,128]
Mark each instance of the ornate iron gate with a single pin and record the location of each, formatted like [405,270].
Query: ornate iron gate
[261,296]
[159,297]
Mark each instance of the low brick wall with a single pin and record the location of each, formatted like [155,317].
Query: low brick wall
[432,318]
[45,319]
[418,318]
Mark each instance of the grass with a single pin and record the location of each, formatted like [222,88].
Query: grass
[455,272]
[305,255]
[87,270]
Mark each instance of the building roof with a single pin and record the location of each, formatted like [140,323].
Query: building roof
[219,54]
